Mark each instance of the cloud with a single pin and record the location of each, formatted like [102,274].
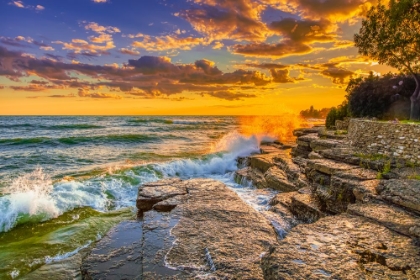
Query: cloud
[146,77]
[281,76]
[129,52]
[102,38]
[337,74]
[71,95]
[98,95]
[80,46]
[305,31]
[24,42]
[99,28]
[20,4]
[282,49]
[233,19]
[334,10]
[267,65]
[218,45]
[163,43]
[100,1]
[230,96]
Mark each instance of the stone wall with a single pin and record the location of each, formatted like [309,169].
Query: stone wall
[397,140]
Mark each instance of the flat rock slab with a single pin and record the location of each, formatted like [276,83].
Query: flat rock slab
[357,174]
[405,193]
[343,247]
[323,144]
[389,216]
[328,166]
[118,255]
[219,235]
[309,130]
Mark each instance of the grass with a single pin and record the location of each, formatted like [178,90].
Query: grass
[341,132]
[371,156]
[415,177]
[410,122]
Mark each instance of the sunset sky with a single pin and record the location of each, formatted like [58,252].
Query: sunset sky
[128,57]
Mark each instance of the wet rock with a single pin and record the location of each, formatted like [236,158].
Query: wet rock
[306,208]
[248,175]
[277,179]
[343,247]
[150,194]
[404,193]
[389,216]
[169,204]
[216,224]
[116,257]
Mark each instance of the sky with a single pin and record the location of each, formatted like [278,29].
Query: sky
[178,57]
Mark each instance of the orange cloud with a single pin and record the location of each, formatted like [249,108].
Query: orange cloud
[283,49]
[233,19]
[162,43]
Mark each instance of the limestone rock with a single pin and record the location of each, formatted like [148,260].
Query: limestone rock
[328,166]
[405,193]
[216,224]
[389,216]
[323,144]
[306,208]
[277,179]
[150,194]
[304,131]
[314,155]
[343,247]
[250,175]
[261,162]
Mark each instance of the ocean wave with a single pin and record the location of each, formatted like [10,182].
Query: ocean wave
[34,198]
[142,121]
[52,127]
[100,139]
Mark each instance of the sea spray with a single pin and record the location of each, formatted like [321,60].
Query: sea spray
[27,197]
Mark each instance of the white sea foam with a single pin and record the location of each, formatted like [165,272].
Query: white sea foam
[33,197]
[60,257]
[230,147]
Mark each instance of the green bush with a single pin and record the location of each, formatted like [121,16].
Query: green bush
[338,113]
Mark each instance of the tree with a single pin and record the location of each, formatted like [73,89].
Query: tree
[391,36]
[384,97]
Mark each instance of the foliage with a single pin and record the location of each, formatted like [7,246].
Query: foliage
[391,36]
[338,113]
[314,113]
[386,97]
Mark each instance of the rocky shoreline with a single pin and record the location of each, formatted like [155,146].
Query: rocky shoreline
[344,215]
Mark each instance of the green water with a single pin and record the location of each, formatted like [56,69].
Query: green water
[24,249]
